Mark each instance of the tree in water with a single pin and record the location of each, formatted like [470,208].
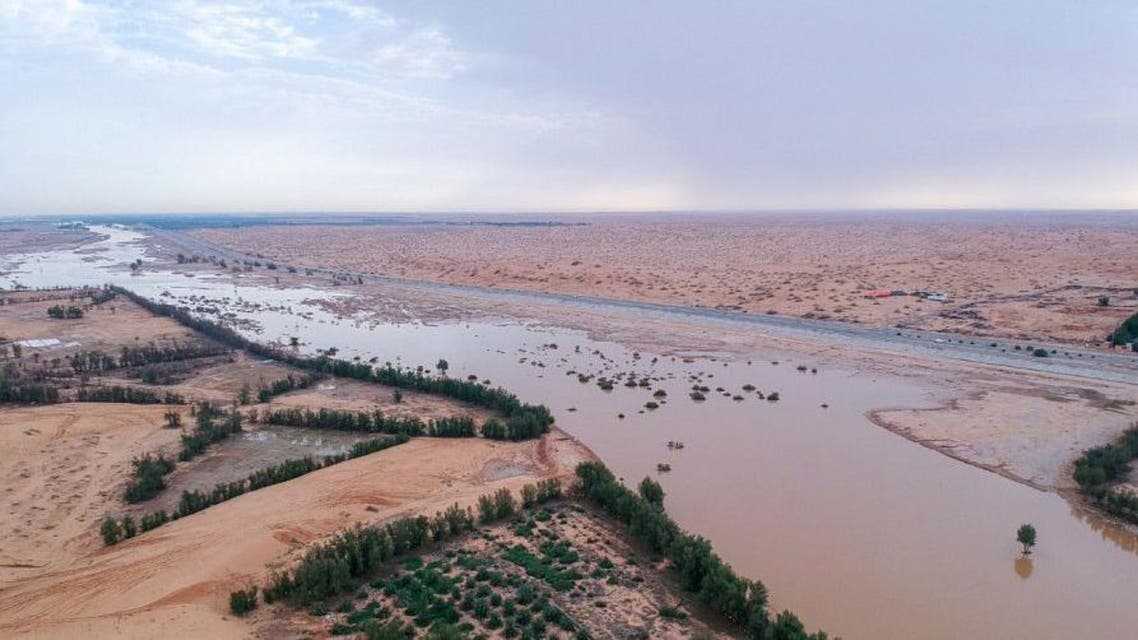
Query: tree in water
[1026,536]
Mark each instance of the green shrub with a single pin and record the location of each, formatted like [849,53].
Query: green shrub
[243,601]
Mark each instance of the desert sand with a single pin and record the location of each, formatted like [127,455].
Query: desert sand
[176,580]
[1009,275]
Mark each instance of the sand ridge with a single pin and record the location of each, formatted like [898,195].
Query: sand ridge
[194,562]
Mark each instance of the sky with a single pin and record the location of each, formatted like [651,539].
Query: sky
[581,105]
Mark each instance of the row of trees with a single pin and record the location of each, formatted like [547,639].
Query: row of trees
[520,426]
[524,420]
[96,361]
[363,421]
[1099,467]
[368,422]
[17,389]
[287,384]
[701,570]
[338,565]
[60,312]
[129,395]
[192,502]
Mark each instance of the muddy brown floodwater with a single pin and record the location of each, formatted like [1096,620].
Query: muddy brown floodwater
[861,532]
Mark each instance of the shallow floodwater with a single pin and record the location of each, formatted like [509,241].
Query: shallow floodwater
[859,531]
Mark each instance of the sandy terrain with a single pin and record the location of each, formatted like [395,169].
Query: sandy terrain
[176,579]
[63,467]
[106,327]
[1011,276]
[1029,433]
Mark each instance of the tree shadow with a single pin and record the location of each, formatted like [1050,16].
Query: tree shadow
[1024,566]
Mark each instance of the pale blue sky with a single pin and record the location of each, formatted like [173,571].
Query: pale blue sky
[348,105]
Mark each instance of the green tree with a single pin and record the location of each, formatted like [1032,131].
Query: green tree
[243,601]
[109,530]
[442,366]
[1026,536]
[651,491]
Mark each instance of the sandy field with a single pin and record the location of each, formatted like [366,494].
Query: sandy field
[106,327]
[1011,276]
[63,467]
[176,580]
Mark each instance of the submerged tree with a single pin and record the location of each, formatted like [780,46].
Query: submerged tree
[1026,536]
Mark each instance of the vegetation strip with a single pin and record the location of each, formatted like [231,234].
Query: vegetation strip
[150,471]
[741,601]
[369,422]
[523,421]
[127,395]
[1098,468]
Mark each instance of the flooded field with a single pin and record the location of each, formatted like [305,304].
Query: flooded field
[861,532]
[235,458]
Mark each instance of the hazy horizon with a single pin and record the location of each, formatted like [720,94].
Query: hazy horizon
[345,106]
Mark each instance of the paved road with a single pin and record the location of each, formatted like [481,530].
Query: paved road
[1116,366]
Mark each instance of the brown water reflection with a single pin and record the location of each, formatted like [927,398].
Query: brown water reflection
[1024,567]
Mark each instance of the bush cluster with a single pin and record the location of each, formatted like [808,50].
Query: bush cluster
[213,425]
[1097,468]
[59,312]
[148,475]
